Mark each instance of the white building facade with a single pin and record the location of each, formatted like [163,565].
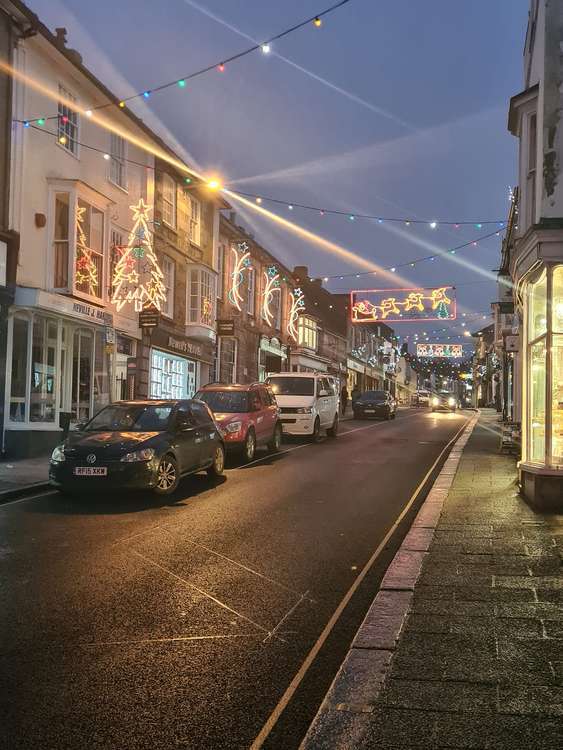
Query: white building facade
[536,256]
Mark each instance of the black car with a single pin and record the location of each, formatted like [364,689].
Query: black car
[375,404]
[139,444]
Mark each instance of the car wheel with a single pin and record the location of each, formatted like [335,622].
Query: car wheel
[315,435]
[275,443]
[333,431]
[167,475]
[218,466]
[249,449]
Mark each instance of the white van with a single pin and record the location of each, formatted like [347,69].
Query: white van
[308,401]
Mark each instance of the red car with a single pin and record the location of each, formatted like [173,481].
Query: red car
[247,415]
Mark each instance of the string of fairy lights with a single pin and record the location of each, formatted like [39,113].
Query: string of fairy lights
[181,82]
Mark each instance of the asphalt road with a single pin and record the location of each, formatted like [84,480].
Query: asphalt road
[129,622]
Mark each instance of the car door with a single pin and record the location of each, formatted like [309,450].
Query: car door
[256,413]
[269,413]
[186,439]
[323,396]
[206,432]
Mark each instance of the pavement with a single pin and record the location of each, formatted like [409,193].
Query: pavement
[463,645]
[210,618]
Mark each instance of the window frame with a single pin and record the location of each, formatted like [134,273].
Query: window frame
[166,311]
[169,184]
[103,254]
[251,291]
[211,278]
[194,230]
[72,144]
[303,325]
[118,160]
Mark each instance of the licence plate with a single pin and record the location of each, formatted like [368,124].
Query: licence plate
[370,411]
[90,471]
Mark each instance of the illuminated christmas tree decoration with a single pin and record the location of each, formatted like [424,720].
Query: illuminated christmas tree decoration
[296,308]
[241,262]
[137,277]
[402,305]
[85,270]
[271,286]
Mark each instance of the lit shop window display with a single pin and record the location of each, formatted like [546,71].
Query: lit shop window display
[543,365]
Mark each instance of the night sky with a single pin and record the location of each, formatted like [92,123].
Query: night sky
[410,120]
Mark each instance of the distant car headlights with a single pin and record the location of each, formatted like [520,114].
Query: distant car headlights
[304,410]
[233,427]
[58,455]
[435,401]
[146,454]
[451,402]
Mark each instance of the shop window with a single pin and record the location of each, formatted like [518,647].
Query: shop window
[228,360]
[195,220]
[82,354]
[172,377]
[42,403]
[89,264]
[557,368]
[118,163]
[307,334]
[169,201]
[169,272]
[19,370]
[61,240]
[67,122]
[537,308]
[537,401]
[201,297]
[531,174]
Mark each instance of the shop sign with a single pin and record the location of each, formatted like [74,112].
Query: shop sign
[184,346]
[149,318]
[27,297]
[355,366]
[225,328]
[273,346]
[131,365]
[512,344]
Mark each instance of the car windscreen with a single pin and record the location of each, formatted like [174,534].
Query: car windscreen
[226,402]
[292,386]
[373,396]
[131,418]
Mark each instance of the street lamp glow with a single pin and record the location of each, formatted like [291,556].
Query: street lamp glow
[214,184]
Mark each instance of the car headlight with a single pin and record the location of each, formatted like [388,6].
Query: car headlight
[435,401]
[58,455]
[146,454]
[451,401]
[304,410]
[233,427]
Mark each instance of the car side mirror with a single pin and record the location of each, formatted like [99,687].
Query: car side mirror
[80,425]
[323,393]
[183,425]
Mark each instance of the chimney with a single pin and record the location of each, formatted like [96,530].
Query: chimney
[60,41]
[301,273]
[60,33]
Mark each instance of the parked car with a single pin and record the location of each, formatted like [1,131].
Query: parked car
[309,403]
[374,404]
[443,401]
[247,415]
[139,444]
[421,398]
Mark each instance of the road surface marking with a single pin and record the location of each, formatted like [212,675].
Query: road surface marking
[204,593]
[299,676]
[289,612]
[25,499]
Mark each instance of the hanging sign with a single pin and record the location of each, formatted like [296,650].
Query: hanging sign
[451,351]
[403,305]
[149,318]
[225,328]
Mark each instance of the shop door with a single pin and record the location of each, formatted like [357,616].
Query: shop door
[191,378]
[81,382]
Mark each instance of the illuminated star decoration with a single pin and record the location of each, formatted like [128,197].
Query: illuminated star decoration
[143,287]
[241,262]
[297,307]
[272,285]
[86,273]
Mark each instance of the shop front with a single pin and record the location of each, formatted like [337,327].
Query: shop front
[58,368]
[178,366]
[541,467]
[356,375]
[272,356]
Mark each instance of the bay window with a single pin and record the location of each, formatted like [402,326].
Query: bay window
[201,296]
[307,332]
[89,263]
[61,229]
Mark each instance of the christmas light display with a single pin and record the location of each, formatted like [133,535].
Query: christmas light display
[137,277]
[296,308]
[85,271]
[241,262]
[451,351]
[271,286]
[402,305]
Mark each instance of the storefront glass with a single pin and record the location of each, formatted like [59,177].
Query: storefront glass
[43,370]
[19,370]
[82,354]
[537,308]
[171,376]
[557,368]
[537,401]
